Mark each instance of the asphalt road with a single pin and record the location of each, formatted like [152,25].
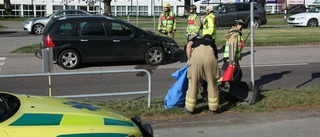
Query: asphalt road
[275,67]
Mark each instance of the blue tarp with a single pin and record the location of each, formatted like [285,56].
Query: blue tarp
[177,93]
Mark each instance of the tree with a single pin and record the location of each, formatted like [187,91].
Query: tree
[7,6]
[186,7]
[107,6]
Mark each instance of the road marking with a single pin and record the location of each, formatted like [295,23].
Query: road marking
[2,61]
[278,65]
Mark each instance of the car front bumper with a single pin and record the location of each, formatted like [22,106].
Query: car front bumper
[27,26]
[173,52]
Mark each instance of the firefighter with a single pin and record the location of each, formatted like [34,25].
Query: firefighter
[210,23]
[167,21]
[194,23]
[234,36]
[202,63]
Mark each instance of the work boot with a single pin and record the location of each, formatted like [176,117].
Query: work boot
[187,112]
[213,112]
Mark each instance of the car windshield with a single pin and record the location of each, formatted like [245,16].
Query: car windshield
[47,15]
[218,7]
[314,9]
[9,105]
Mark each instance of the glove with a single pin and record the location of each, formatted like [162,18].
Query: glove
[187,35]
[226,59]
[195,34]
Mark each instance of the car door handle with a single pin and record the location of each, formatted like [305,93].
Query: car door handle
[116,40]
[84,40]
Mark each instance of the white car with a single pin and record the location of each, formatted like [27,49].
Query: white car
[309,19]
[36,25]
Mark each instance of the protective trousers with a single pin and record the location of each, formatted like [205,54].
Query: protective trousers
[202,63]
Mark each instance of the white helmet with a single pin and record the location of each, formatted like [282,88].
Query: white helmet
[209,8]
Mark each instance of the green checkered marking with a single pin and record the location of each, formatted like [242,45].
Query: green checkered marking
[96,135]
[108,121]
[29,119]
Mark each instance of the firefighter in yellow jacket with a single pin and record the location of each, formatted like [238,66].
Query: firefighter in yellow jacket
[194,23]
[202,61]
[234,36]
[167,21]
[210,23]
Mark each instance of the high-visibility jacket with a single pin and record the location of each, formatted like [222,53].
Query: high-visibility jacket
[234,36]
[209,26]
[167,21]
[193,24]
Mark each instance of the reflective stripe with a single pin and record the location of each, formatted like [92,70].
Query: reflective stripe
[167,22]
[190,103]
[213,103]
[191,23]
[237,50]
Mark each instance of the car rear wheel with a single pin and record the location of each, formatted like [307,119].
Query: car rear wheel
[69,59]
[312,23]
[256,23]
[37,29]
[154,56]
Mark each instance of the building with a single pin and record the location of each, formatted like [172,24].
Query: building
[36,8]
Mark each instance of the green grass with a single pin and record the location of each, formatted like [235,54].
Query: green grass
[13,18]
[26,49]
[280,99]
[262,37]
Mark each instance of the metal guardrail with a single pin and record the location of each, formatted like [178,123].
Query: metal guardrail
[87,73]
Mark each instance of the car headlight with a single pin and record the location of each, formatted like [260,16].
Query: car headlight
[27,22]
[167,44]
[300,18]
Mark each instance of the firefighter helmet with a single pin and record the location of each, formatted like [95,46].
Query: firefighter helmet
[209,8]
[240,22]
[193,7]
[166,5]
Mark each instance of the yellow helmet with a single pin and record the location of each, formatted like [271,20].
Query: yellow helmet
[166,5]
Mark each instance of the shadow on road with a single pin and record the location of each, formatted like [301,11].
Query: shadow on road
[7,32]
[313,76]
[265,79]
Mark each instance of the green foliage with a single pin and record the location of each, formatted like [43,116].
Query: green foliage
[270,100]
[27,49]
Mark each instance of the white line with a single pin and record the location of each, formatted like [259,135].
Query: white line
[278,65]
[1,63]
[2,58]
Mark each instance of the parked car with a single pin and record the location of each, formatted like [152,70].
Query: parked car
[40,116]
[309,19]
[80,39]
[36,25]
[227,13]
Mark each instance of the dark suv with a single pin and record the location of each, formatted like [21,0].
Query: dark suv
[227,13]
[80,39]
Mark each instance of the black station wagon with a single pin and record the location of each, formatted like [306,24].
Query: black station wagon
[80,39]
